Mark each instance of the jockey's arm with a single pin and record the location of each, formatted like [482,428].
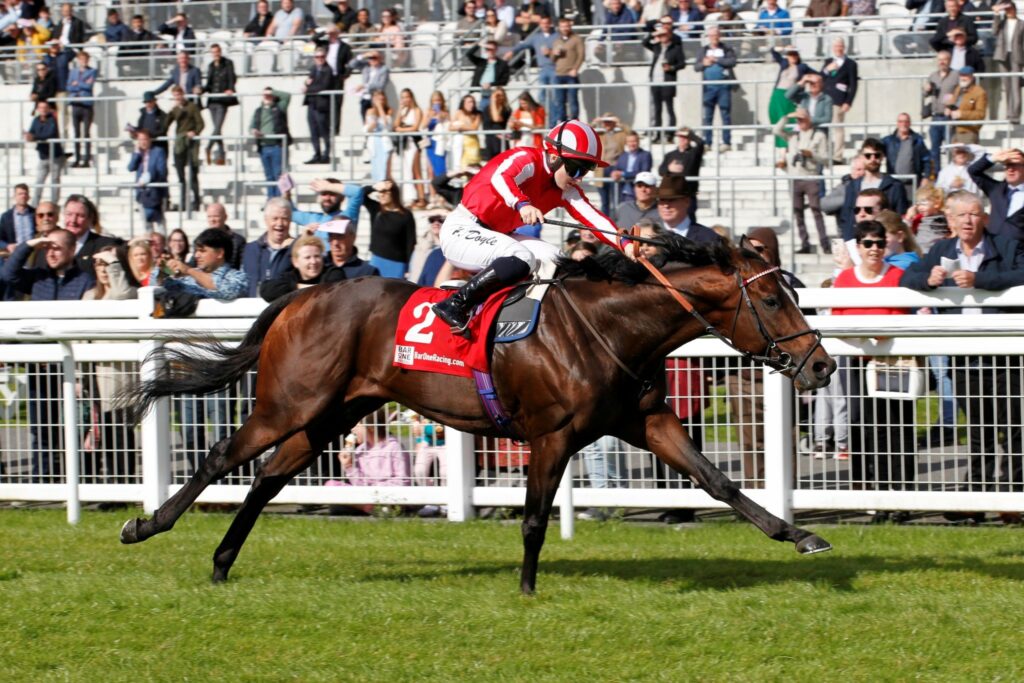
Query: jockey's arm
[580,208]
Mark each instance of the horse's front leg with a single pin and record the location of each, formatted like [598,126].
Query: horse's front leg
[548,458]
[661,433]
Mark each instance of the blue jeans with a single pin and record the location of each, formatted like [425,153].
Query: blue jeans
[947,407]
[270,155]
[717,96]
[195,410]
[153,215]
[937,135]
[547,77]
[603,463]
[566,99]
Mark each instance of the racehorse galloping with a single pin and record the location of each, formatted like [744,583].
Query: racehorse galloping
[324,361]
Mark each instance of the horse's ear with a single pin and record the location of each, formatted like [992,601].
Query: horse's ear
[745,244]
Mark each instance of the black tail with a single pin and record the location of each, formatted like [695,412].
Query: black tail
[202,366]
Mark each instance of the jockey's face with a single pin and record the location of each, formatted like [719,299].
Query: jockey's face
[561,177]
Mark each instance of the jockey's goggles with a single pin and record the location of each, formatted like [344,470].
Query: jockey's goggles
[577,168]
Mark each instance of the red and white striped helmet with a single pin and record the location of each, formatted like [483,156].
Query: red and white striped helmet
[574,139]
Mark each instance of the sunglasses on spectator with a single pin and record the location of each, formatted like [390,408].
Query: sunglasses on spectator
[577,169]
[869,210]
[871,244]
[46,214]
[872,155]
[435,219]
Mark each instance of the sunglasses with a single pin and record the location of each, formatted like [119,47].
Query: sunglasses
[435,219]
[871,244]
[872,155]
[45,214]
[577,169]
[869,210]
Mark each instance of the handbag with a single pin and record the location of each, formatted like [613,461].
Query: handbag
[832,203]
[895,377]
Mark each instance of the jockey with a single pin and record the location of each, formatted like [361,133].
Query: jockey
[518,187]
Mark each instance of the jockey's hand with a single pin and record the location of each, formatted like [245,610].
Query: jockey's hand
[631,251]
[531,215]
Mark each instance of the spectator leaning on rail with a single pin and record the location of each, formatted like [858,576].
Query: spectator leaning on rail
[42,131]
[308,269]
[1006,197]
[185,76]
[150,166]
[873,152]
[81,81]
[984,383]
[211,277]
[715,62]
[809,93]
[269,256]
[906,153]
[269,126]
[57,277]
[808,151]
[840,74]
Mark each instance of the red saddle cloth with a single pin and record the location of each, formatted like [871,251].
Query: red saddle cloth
[425,342]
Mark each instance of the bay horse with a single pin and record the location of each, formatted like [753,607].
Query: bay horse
[593,366]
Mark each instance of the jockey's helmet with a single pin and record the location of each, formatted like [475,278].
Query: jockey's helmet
[574,139]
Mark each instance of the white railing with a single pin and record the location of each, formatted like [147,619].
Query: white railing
[48,360]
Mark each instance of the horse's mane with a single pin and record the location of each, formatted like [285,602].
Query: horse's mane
[612,264]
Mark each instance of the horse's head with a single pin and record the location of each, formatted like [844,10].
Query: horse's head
[767,325]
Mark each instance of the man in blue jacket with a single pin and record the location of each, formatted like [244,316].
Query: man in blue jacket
[150,166]
[81,80]
[187,76]
[906,152]
[1006,197]
[332,194]
[270,255]
[895,193]
[988,387]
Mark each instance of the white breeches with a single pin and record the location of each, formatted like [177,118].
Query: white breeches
[470,246]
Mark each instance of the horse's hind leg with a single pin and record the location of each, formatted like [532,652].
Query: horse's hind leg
[547,464]
[256,435]
[662,434]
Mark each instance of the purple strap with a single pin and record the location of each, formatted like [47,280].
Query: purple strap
[492,405]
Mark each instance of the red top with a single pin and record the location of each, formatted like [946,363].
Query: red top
[890,278]
[521,175]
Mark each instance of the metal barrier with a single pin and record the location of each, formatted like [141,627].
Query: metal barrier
[63,440]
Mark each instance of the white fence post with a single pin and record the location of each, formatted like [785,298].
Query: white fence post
[70,432]
[566,517]
[156,429]
[778,444]
[461,457]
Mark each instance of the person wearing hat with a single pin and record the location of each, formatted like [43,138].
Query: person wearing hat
[675,196]
[151,118]
[686,159]
[970,103]
[808,151]
[424,267]
[1006,197]
[643,204]
[954,175]
[954,19]
[342,252]
[518,187]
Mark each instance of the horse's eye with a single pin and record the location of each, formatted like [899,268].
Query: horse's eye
[771,302]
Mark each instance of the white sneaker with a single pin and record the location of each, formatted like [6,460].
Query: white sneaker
[725,148]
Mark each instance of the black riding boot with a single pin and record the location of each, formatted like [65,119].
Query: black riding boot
[457,308]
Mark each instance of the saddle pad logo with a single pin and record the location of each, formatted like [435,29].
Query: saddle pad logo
[404,354]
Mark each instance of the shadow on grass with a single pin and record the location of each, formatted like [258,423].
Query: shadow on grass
[837,572]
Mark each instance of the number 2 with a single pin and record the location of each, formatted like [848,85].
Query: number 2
[415,335]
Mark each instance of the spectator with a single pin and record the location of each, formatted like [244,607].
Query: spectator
[150,166]
[987,262]
[729,22]
[494,29]
[378,125]
[468,120]
[18,223]
[496,117]
[687,19]
[287,21]
[140,39]
[955,175]
[157,244]
[318,107]
[808,151]
[567,54]
[962,54]
[29,36]
[488,71]
[823,9]
[686,158]
[269,256]
[675,195]
[926,219]
[901,248]
[343,253]
[715,62]
[331,194]
[339,55]
[115,31]
[217,219]
[307,270]
[409,121]
[211,277]
[43,131]
[791,71]
[627,166]
[44,85]
[183,38]
[140,261]
[906,153]
[220,95]
[392,230]
[621,18]
[773,20]
[859,8]
[922,22]
[437,150]
[644,205]
[938,92]
[372,457]
[468,25]
[391,36]
[894,192]
[81,81]
[59,60]
[269,126]
[506,13]
[428,260]
[882,429]
[81,219]
[185,76]
[152,119]
[532,14]
[1009,55]
[342,14]
[541,43]
[840,80]
[363,25]
[970,103]
[612,133]
[259,25]
[955,19]
[667,59]
[1006,197]
[177,245]
[809,93]
[47,218]
[188,124]
[376,77]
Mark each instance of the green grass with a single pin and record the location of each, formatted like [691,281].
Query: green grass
[328,599]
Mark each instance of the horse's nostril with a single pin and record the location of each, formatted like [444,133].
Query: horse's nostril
[820,369]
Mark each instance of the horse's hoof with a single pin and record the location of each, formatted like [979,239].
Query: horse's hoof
[813,544]
[219,576]
[130,531]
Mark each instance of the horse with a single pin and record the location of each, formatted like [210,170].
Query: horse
[593,366]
